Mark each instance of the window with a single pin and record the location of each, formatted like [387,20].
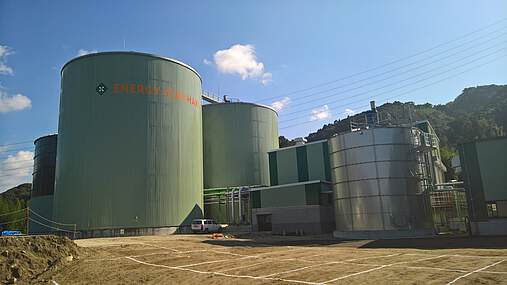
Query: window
[492,209]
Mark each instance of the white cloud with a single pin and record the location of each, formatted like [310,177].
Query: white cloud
[4,69]
[16,169]
[12,103]
[241,60]
[266,78]
[207,62]
[4,52]
[281,104]
[349,112]
[81,52]
[320,113]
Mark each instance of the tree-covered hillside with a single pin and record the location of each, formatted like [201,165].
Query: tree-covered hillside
[477,113]
[12,203]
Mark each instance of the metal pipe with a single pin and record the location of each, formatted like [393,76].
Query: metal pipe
[232,206]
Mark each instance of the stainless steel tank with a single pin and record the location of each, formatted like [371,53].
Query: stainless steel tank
[378,189]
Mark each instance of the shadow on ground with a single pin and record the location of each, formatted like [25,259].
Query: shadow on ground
[496,242]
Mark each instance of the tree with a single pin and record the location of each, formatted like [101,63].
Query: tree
[284,142]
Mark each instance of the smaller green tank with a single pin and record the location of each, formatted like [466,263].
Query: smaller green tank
[237,137]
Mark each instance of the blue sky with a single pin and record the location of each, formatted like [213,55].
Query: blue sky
[238,45]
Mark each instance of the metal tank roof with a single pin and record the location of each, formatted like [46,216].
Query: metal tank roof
[245,103]
[43,137]
[132,53]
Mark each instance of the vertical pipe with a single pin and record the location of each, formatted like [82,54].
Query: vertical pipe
[232,206]
[239,205]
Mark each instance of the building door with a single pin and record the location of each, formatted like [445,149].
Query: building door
[264,223]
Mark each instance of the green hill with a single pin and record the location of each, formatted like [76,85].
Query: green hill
[478,112]
[13,201]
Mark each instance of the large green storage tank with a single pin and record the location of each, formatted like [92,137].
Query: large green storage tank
[130,144]
[43,185]
[237,138]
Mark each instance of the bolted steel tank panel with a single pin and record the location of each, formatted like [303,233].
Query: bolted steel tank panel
[44,166]
[237,137]
[376,187]
[130,142]
[43,183]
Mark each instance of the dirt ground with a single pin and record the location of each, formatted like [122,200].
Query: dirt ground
[198,259]
[24,259]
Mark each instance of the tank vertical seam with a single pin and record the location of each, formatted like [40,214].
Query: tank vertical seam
[378,180]
[410,138]
[348,183]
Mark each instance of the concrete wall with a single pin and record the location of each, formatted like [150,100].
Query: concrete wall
[311,219]
[491,227]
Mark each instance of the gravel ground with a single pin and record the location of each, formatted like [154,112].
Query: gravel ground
[199,259]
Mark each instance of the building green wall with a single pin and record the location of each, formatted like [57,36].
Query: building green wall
[492,156]
[299,194]
[129,143]
[300,163]
[283,197]
[287,166]
[237,137]
[484,166]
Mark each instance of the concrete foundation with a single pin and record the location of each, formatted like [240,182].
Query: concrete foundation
[489,228]
[382,234]
[133,232]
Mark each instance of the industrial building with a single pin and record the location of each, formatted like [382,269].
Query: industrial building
[436,169]
[483,165]
[41,200]
[299,200]
[138,154]
[129,145]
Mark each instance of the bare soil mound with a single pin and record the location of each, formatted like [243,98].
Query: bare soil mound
[24,259]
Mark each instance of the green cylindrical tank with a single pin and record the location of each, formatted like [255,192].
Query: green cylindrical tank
[130,144]
[237,138]
[43,185]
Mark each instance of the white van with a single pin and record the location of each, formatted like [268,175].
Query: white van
[205,226]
